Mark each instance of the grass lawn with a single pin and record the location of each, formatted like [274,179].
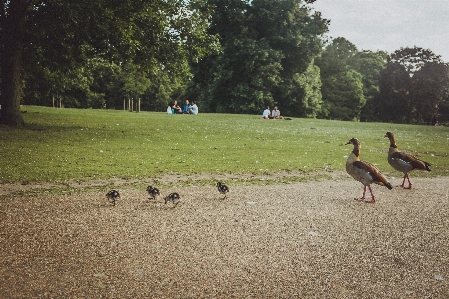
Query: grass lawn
[75,144]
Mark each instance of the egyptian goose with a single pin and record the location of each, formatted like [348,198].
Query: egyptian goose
[364,172]
[173,198]
[403,162]
[153,192]
[223,189]
[113,196]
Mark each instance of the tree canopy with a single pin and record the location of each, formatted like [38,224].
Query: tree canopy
[231,56]
[412,86]
[342,85]
[268,48]
[57,39]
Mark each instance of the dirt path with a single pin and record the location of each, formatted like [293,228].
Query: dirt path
[301,240]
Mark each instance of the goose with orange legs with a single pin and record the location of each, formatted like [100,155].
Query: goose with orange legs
[364,172]
[404,162]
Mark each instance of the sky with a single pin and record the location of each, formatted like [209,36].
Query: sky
[389,25]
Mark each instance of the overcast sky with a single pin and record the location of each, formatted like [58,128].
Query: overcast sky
[389,24]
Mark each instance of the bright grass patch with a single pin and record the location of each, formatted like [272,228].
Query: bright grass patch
[75,144]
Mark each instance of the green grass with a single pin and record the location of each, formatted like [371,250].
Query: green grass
[71,144]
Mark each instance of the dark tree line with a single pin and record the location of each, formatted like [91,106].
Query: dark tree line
[408,86]
[267,58]
[413,87]
[77,49]
[232,56]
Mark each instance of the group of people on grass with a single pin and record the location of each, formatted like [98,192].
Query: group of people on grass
[187,108]
[275,114]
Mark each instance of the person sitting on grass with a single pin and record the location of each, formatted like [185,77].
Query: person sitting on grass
[193,109]
[176,108]
[276,114]
[185,107]
[266,113]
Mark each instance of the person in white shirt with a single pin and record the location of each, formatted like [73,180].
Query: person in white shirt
[193,109]
[266,113]
[276,114]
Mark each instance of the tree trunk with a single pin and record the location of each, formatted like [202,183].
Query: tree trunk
[12,21]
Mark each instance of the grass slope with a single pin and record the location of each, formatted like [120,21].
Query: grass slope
[72,144]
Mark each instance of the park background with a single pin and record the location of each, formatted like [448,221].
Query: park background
[289,227]
[231,56]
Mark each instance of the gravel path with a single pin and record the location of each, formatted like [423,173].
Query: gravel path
[303,240]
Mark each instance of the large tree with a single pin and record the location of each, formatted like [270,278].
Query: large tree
[430,88]
[413,84]
[12,21]
[369,64]
[267,47]
[342,87]
[58,36]
[392,103]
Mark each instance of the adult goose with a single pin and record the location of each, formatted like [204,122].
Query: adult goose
[404,162]
[364,172]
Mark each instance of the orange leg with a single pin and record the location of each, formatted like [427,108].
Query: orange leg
[373,198]
[363,196]
[403,182]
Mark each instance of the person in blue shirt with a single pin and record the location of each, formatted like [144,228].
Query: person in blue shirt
[185,107]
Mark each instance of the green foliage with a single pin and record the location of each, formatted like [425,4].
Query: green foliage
[268,46]
[413,59]
[304,93]
[135,80]
[369,65]
[244,81]
[343,95]
[71,144]
[58,39]
[413,85]
[342,87]
[337,57]
[232,56]
[430,88]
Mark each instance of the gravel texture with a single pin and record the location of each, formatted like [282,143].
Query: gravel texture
[302,240]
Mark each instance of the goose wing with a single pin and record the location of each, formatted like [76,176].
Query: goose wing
[405,162]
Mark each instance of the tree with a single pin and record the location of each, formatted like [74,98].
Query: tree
[342,88]
[430,88]
[304,92]
[343,96]
[369,64]
[61,35]
[244,77]
[413,59]
[107,84]
[267,47]
[12,21]
[412,86]
[393,104]
[135,81]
